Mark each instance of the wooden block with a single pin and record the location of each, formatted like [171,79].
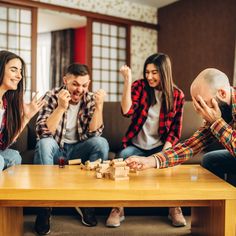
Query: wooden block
[118,164]
[99,175]
[74,162]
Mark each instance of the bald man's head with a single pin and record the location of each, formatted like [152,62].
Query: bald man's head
[211,83]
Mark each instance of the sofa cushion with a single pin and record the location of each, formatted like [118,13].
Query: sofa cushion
[115,125]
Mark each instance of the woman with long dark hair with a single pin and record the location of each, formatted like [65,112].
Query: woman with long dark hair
[155,105]
[14,114]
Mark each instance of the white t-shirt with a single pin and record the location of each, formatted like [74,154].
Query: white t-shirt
[1,116]
[148,137]
[71,124]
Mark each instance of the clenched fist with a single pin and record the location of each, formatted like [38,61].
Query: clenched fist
[64,99]
[99,97]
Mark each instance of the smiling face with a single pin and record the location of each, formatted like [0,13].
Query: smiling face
[152,76]
[12,75]
[77,86]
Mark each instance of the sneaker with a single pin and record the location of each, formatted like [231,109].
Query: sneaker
[87,215]
[176,216]
[116,217]
[42,222]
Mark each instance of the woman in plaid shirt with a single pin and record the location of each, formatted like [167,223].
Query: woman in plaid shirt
[12,73]
[155,105]
[215,100]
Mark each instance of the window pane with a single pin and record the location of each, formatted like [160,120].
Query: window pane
[105,86]
[121,63]
[96,75]
[113,30]
[3,27]
[121,86]
[113,87]
[105,75]
[105,29]
[122,43]
[13,28]
[113,53]
[25,16]
[105,52]
[105,64]
[25,30]
[113,65]
[26,55]
[3,41]
[96,39]
[96,86]
[13,42]
[96,63]
[122,32]
[122,54]
[113,98]
[105,41]
[113,42]
[13,14]
[96,27]
[3,13]
[96,52]
[113,76]
[25,43]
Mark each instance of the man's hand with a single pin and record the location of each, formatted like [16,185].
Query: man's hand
[64,99]
[141,163]
[99,97]
[209,114]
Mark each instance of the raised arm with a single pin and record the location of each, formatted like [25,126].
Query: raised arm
[97,119]
[126,101]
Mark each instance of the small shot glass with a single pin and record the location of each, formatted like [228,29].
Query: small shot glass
[61,162]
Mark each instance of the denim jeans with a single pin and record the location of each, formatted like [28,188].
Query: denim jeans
[9,157]
[47,150]
[219,162]
[135,151]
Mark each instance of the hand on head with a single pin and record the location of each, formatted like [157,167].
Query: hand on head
[208,113]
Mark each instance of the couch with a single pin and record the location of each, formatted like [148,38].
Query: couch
[115,127]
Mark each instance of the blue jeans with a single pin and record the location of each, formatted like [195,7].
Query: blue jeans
[135,151]
[47,150]
[9,157]
[219,162]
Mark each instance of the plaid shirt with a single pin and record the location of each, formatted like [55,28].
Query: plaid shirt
[3,125]
[85,114]
[220,130]
[170,124]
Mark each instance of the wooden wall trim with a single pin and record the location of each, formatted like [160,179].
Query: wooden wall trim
[93,15]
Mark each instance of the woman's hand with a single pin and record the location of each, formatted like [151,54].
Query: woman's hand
[126,73]
[33,107]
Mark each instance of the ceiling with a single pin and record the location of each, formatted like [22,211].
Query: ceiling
[154,3]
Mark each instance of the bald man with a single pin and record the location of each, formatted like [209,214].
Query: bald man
[215,100]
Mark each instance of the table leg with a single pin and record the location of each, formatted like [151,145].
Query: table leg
[218,219]
[11,221]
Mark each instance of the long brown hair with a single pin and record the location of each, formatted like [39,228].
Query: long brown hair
[163,65]
[14,99]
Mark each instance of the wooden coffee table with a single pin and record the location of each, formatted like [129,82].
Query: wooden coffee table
[213,201]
